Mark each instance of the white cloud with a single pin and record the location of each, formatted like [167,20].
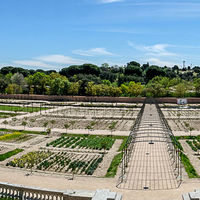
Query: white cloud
[110,1]
[60,59]
[157,50]
[156,61]
[49,61]
[33,63]
[93,52]
[168,9]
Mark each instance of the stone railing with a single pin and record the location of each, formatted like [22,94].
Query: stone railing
[192,195]
[20,192]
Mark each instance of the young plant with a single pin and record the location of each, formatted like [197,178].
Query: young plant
[112,126]
[45,125]
[24,123]
[72,124]
[191,129]
[66,126]
[88,127]
[48,131]
[5,122]
[53,122]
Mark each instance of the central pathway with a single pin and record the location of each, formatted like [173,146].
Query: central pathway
[150,164]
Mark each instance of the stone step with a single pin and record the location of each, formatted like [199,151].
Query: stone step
[192,195]
[105,195]
[186,197]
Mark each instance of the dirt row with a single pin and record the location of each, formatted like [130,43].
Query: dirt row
[52,122]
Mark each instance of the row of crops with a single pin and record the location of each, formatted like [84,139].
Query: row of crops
[194,144]
[14,137]
[59,162]
[24,108]
[186,113]
[87,142]
[7,115]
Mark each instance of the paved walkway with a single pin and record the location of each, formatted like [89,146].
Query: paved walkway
[60,182]
[150,166]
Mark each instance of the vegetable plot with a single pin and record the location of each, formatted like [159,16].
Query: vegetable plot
[194,144]
[87,142]
[59,162]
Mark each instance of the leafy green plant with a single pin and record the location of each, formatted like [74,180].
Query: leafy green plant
[188,166]
[30,159]
[82,141]
[9,154]
[112,170]
[123,144]
[112,126]
[10,136]
[191,145]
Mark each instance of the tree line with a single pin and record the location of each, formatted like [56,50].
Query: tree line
[131,80]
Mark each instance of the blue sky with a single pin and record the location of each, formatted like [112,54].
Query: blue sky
[52,34]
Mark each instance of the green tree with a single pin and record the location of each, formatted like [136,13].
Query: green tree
[115,91]
[57,86]
[180,90]
[3,83]
[134,89]
[133,70]
[90,89]
[18,79]
[124,89]
[196,84]
[158,87]
[155,90]
[13,89]
[40,81]
[74,88]
[154,71]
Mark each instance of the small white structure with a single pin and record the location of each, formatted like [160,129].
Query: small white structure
[181,101]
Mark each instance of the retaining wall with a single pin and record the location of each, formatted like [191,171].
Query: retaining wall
[172,100]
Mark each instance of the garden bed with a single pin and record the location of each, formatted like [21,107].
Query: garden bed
[15,137]
[63,162]
[83,142]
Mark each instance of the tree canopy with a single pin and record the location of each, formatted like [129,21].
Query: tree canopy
[132,80]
